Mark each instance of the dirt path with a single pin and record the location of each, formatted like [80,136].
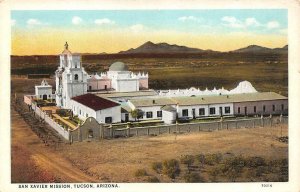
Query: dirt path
[44,158]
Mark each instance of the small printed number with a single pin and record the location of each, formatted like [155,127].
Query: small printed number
[266,185]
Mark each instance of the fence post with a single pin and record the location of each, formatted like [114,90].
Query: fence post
[148,132]
[280,118]
[221,122]
[262,120]
[199,128]
[111,131]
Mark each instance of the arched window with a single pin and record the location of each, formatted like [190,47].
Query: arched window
[76,77]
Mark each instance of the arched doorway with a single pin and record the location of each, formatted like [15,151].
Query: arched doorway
[90,134]
[44,97]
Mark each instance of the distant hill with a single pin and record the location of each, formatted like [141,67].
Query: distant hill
[260,49]
[162,48]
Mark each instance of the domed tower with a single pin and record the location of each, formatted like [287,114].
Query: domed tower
[71,78]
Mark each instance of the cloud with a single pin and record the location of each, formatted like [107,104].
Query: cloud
[33,22]
[137,28]
[273,25]
[188,18]
[252,22]
[76,20]
[232,22]
[103,21]
[13,22]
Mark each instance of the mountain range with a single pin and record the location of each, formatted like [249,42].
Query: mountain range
[165,48]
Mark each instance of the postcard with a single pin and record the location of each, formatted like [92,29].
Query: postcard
[136,95]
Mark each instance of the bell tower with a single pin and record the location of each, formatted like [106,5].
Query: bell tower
[70,77]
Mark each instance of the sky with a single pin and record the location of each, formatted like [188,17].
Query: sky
[110,31]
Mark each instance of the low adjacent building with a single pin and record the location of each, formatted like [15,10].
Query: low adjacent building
[265,103]
[90,105]
[44,91]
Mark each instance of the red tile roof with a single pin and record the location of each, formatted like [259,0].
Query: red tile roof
[94,102]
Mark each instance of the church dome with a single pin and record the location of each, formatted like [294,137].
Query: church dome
[118,66]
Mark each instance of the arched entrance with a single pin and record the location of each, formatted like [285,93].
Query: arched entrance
[44,97]
[90,134]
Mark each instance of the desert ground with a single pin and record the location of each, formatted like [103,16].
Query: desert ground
[264,157]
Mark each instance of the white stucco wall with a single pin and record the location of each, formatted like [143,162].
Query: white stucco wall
[114,112]
[82,111]
[168,117]
[42,90]
[206,109]
[127,85]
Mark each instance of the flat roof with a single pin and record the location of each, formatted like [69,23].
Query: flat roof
[128,94]
[152,102]
[202,100]
[94,102]
[234,98]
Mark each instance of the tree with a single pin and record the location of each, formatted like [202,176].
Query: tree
[137,114]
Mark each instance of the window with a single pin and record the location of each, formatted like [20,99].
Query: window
[80,111]
[76,77]
[227,109]
[159,113]
[201,111]
[264,108]
[149,114]
[273,107]
[185,112]
[212,111]
[239,110]
[282,107]
[87,115]
[108,119]
[254,109]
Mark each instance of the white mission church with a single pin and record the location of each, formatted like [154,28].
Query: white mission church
[110,97]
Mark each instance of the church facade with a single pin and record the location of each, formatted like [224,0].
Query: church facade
[72,80]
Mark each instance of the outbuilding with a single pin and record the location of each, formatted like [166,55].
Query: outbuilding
[102,109]
[43,91]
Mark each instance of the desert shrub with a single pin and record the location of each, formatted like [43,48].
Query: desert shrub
[250,174]
[187,159]
[140,173]
[157,167]
[171,168]
[192,178]
[212,159]
[200,158]
[215,171]
[233,167]
[152,179]
[255,162]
